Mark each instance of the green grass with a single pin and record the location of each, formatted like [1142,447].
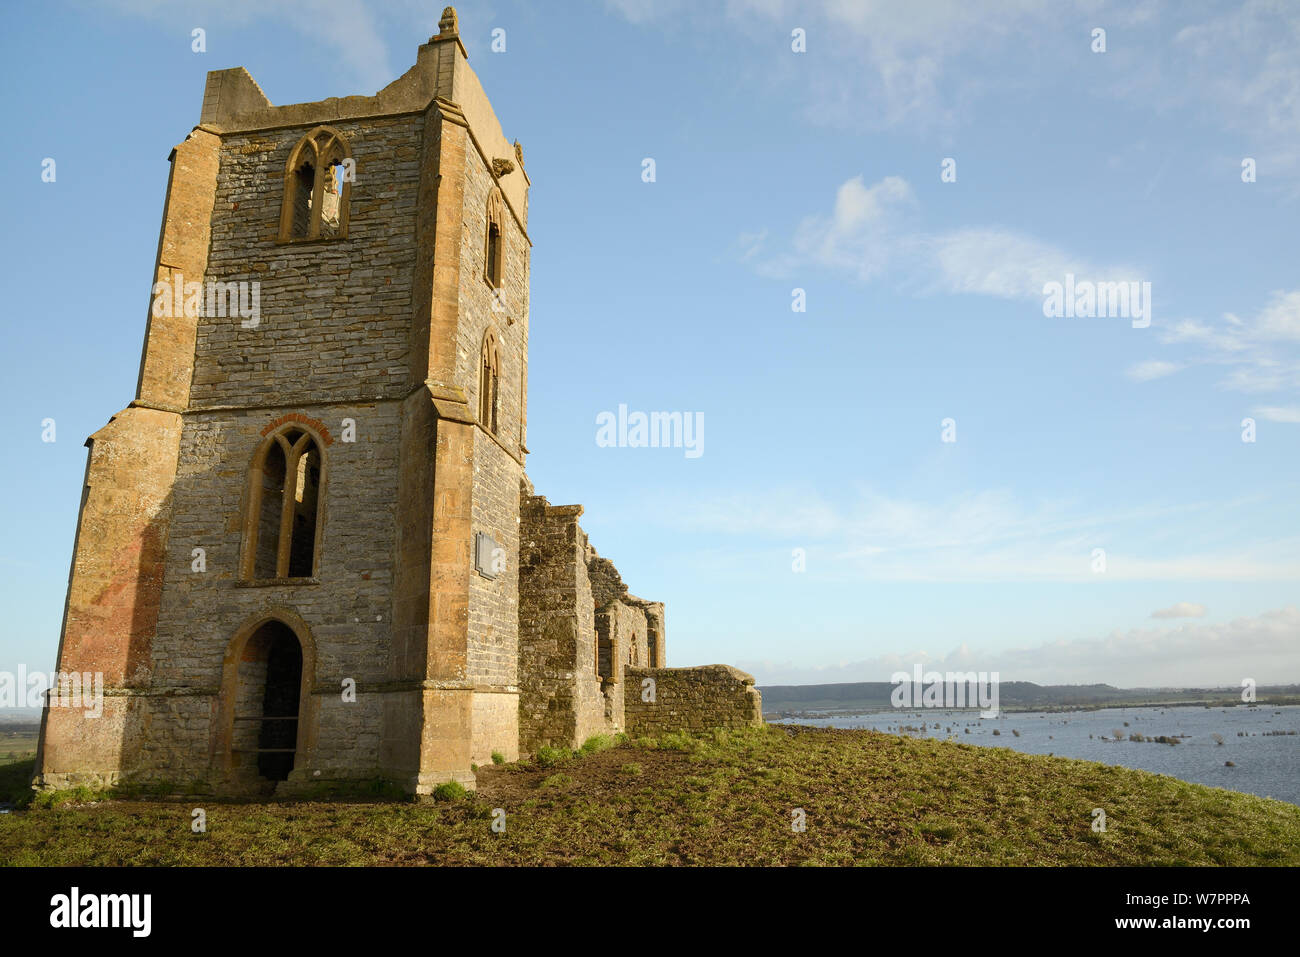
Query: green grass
[722,798]
[597,743]
[450,791]
[548,757]
[16,783]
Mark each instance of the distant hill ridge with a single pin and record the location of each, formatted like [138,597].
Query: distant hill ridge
[1011,694]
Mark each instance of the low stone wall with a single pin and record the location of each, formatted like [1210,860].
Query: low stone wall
[690,699]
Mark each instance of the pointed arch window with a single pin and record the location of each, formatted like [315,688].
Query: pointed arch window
[281,524]
[317,187]
[494,250]
[489,383]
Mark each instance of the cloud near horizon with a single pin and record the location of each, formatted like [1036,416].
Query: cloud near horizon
[1264,648]
[1183,609]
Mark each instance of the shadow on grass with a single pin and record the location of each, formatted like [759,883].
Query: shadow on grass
[16,783]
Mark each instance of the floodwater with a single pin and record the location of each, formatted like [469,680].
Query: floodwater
[1265,761]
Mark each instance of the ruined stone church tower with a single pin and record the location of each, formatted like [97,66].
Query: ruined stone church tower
[307,551]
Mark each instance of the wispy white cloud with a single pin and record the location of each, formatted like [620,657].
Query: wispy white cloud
[983,536]
[751,244]
[991,261]
[1247,63]
[872,231]
[1183,609]
[1152,369]
[348,30]
[1259,354]
[1277,413]
[645,11]
[872,64]
[876,64]
[859,236]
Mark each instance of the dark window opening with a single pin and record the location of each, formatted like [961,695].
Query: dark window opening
[494,252]
[284,509]
[304,181]
[489,384]
[494,255]
[277,739]
[268,520]
[604,650]
[317,187]
[302,551]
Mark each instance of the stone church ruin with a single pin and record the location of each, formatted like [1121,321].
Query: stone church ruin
[307,550]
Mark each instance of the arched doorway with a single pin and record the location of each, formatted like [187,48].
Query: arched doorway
[267,699]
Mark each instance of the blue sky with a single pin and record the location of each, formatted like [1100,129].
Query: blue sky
[778,170]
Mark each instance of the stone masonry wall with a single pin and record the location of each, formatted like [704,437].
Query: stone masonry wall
[492,663]
[624,626]
[113,595]
[606,583]
[657,653]
[690,699]
[493,641]
[348,608]
[631,631]
[494,602]
[114,588]
[569,598]
[560,700]
[334,314]
[505,312]
[332,334]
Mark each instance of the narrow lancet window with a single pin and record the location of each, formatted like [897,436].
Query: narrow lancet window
[280,530]
[317,187]
[489,383]
[494,252]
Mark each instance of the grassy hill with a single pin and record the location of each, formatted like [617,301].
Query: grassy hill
[726,798]
[18,742]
